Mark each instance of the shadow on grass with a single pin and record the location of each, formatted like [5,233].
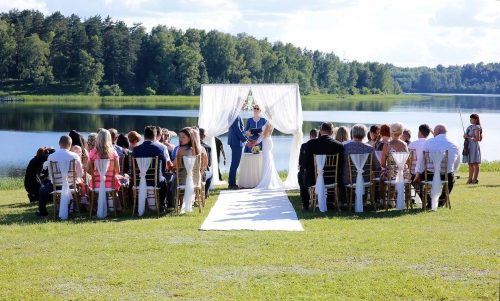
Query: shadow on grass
[24,213]
[368,213]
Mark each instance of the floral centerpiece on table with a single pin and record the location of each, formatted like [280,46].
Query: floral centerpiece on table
[256,149]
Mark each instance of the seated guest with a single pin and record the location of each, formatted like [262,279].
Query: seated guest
[165,135]
[81,182]
[440,142]
[114,138]
[134,138]
[374,135]
[104,150]
[385,136]
[304,190]
[36,176]
[208,174]
[187,147]
[63,154]
[123,142]
[342,134]
[158,137]
[395,145]
[79,140]
[423,132]
[150,149]
[324,145]
[357,147]
[91,141]
[406,136]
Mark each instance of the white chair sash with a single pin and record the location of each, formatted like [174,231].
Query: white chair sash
[359,161]
[400,158]
[65,191]
[320,182]
[143,164]
[102,202]
[378,154]
[436,158]
[187,205]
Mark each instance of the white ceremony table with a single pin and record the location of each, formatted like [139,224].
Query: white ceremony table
[250,170]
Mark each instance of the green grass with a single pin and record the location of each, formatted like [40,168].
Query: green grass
[340,98]
[195,98]
[399,255]
[11,183]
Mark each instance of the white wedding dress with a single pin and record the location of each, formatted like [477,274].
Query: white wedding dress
[269,178]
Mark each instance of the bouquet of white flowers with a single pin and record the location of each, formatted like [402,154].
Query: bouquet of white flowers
[256,149]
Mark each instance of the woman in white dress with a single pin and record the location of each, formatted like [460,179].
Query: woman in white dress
[269,178]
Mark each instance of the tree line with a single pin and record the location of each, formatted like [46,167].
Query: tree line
[470,78]
[105,56]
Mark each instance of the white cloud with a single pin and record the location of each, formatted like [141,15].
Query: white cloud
[5,5]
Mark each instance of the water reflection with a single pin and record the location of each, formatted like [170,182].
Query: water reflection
[28,126]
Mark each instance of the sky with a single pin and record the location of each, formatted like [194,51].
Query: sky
[404,33]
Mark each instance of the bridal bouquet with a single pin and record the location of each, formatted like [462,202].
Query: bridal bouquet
[256,149]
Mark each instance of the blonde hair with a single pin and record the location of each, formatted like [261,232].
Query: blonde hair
[91,140]
[103,144]
[397,128]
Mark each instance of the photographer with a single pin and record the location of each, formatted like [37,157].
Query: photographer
[36,175]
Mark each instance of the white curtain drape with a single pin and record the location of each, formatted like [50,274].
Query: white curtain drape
[359,161]
[320,182]
[65,191]
[219,107]
[102,202]
[436,158]
[279,103]
[187,204]
[143,164]
[400,158]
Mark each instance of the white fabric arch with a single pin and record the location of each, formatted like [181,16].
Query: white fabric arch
[280,104]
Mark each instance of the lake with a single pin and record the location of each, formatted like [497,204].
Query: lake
[24,127]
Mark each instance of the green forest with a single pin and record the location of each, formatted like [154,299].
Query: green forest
[57,54]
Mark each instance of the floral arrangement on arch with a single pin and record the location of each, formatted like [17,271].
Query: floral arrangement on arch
[256,149]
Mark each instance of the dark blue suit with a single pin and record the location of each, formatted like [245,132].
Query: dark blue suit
[236,140]
[149,149]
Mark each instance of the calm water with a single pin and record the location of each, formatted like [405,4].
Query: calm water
[26,127]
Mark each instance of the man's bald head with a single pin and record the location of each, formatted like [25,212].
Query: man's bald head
[440,129]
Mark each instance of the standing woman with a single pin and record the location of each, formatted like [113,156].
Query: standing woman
[474,136]
[256,122]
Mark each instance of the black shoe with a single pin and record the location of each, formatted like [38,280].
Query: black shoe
[305,208]
[38,213]
[234,187]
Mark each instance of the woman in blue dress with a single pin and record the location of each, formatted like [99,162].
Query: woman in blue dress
[256,122]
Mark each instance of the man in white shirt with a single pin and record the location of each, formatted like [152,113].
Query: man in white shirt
[423,132]
[63,154]
[440,142]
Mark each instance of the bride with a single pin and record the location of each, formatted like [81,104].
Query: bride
[269,178]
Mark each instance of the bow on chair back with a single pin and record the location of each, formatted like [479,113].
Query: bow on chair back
[189,193]
[102,166]
[436,158]
[320,182]
[143,164]
[64,168]
[400,159]
[359,161]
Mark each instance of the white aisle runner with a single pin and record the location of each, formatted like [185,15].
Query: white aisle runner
[252,209]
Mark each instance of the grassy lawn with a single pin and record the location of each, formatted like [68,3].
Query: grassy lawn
[399,255]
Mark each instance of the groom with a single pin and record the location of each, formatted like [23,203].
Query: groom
[236,140]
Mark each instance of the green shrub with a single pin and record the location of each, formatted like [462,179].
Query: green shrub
[150,91]
[113,90]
